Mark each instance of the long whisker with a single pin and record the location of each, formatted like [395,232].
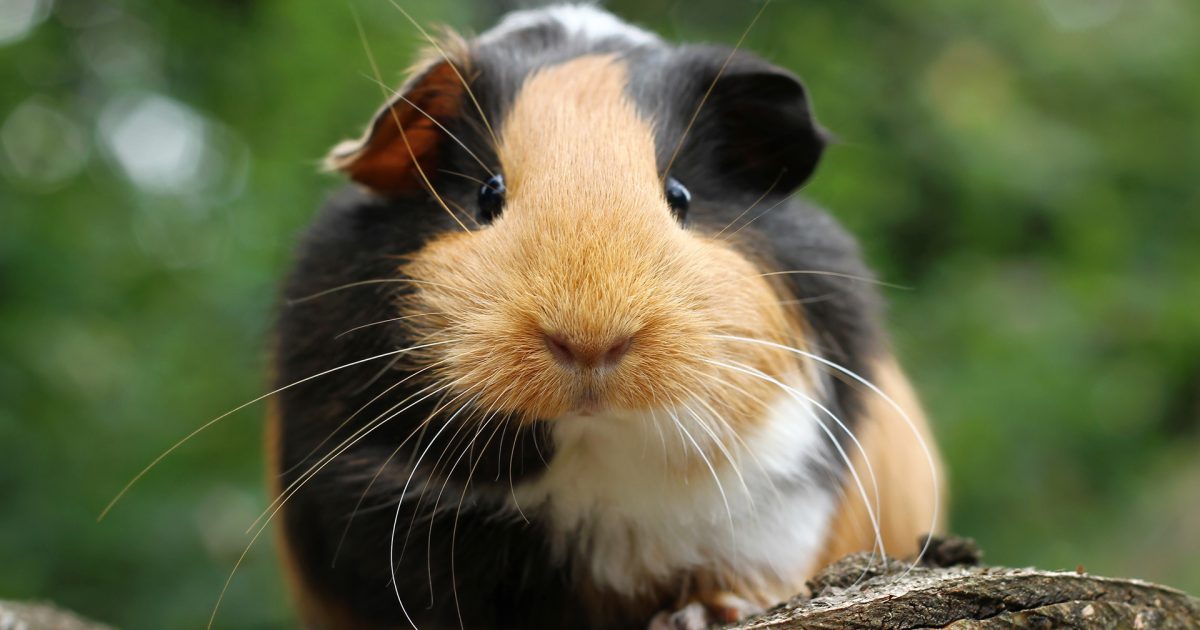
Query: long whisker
[360,283]
[400,504]
[538,449]
[363,497]
[354,438]
[486,384]
[420,498]
[511,486]
[228,580]
[481,425]
[752,206]
[254,538]
[824,297]
[399,95]
[385,321]
[447,474]
[463,175]
[208,424]
[365,385]
[817,272]
[682,466]
[682,444]
[351,417]
[745,447]
[499,464]
[757,217]
[423,427]
[724,451]
[895,406]
[453,67]
[362,35]
[709,91]
[436,466]
[658,426]
[454,529]
[872,514]
[711,470]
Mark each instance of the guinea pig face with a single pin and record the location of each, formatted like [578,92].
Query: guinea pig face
[577,287]
[584,292]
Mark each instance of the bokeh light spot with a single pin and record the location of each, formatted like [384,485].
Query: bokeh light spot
[1077,15]
[42,146]
[19,17]
[157,142]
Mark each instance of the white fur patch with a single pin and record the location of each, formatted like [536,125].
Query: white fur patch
[579,20]
[617,497]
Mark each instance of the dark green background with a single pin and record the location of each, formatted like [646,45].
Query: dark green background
[1029,169]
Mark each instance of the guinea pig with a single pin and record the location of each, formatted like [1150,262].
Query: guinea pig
[572,355]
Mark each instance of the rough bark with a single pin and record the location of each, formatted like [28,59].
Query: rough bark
[949,591]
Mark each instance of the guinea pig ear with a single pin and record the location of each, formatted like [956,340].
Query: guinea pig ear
[766,135]
[403,134]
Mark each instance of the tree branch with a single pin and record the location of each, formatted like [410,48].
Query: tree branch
[948,592]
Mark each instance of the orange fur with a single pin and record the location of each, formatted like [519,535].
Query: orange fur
[588,251]
[905,490]
[905,487]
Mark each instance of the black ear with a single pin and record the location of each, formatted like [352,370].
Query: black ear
[759,119]
[405,137]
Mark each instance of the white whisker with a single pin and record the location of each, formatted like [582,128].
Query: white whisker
[724,451]
[399,505]
[744,446]
[397,94]
[208,424]
[757,217]
[454,529]
[835,274]
[362,36]
[716,478]
[872,514]
[385,321]
[895,406]
[336,451]
[350,418]
[267,522]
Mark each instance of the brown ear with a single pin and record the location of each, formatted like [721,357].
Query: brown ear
[404,140]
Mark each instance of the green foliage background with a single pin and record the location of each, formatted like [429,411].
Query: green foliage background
[1028,169]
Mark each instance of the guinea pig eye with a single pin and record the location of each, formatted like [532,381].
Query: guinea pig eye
[678,198]
[491,199]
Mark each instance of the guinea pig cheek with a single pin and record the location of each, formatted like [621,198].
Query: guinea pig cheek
[479,345]
[744,377]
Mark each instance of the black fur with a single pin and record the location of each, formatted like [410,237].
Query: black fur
[754,138]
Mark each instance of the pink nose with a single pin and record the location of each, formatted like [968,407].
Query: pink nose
[578,356]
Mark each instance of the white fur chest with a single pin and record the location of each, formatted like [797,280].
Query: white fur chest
[631,500]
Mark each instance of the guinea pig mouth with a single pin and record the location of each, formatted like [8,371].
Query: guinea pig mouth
[588,402]
[590,391]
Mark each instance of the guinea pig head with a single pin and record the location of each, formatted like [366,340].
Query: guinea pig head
[580,287]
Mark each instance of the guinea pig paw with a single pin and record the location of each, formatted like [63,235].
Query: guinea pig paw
[726,607]
[691,617]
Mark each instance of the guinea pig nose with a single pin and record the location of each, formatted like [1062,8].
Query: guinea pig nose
[616,351]
[575,355]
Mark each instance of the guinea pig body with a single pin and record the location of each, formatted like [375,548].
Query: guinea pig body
[583,359]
